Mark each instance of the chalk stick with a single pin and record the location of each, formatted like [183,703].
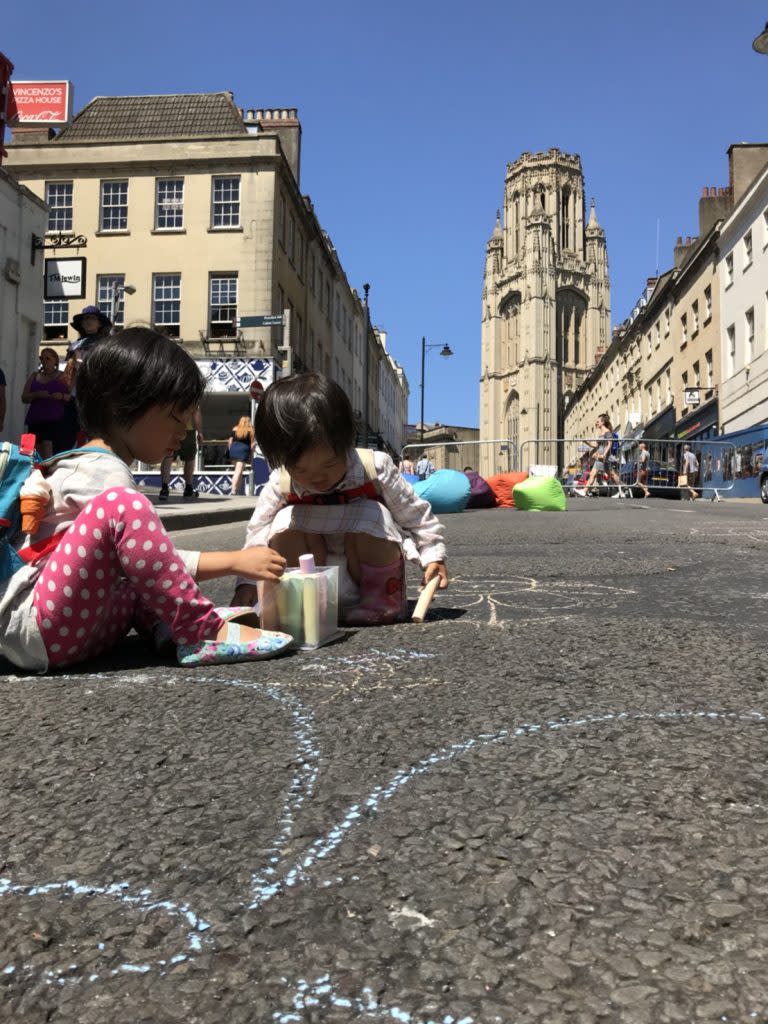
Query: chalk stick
[425,600]
[311,610]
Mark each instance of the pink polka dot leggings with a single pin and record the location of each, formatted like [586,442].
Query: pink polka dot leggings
[115,569]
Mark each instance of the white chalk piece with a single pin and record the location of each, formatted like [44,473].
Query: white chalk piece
[425,600]
[311,609]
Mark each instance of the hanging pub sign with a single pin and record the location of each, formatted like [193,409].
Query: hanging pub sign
[65,278]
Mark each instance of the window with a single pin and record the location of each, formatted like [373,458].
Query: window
[707,303]
[169,204]
[731,348]
[225,212]
[55,319]
[58,196]
[222,305]
[765,227]
[667,319]
[696,375]
[683,330]
[649,346]
[668,381]
[747,249]
[695,318]
[107,287]
[749,324]
[657,334]
[729,270]
[114,206]
[291,238]
[166,303]
[281,219]
[708,360]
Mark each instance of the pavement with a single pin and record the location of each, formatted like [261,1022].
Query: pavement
[545,804]
[205,510]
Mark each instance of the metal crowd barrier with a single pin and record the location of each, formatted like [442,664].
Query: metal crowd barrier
[486,457]
[620,475]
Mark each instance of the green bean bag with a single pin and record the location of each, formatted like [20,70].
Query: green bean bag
[446,490]
[540,494]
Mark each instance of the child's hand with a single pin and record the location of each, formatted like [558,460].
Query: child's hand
[260,563]
[436,569]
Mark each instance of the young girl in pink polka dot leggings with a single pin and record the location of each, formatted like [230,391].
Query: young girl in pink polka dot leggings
[103,563]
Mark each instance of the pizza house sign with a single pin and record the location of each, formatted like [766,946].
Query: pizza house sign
[40,103]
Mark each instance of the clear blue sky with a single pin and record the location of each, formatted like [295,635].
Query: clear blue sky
[411,111]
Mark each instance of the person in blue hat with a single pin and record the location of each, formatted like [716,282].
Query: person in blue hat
[92,327]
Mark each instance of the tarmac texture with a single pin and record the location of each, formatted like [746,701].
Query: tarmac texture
[547,803]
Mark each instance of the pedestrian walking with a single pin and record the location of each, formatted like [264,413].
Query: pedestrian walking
[347,507]
[187,452]
[242,441]
[100,562]
[689,469]
[643,459]
[406,466]
[47,395]
[424,467]
[600,453]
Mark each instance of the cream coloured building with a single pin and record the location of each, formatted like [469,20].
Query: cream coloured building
[546,304]
[194,217]
[22,218]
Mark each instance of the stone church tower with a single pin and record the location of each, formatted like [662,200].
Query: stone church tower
[546,305]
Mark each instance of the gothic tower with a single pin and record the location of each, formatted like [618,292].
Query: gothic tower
[546,305]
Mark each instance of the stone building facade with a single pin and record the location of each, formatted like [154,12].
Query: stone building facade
[546,305]
[194,217]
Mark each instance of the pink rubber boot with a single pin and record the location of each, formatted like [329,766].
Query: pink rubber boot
[382,595]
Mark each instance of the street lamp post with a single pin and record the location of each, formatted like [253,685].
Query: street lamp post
[117,291]
[444,351]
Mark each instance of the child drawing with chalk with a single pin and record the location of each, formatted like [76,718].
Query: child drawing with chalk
[97,561]
[344,506]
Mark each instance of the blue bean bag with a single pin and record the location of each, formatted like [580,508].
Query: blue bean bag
[446,490]
[539,494]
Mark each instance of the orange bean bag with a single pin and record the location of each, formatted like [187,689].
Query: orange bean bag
[502,485]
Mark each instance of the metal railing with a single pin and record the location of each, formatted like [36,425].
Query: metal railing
[486,457]
[622,472]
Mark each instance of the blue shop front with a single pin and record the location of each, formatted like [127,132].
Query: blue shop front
[229,387]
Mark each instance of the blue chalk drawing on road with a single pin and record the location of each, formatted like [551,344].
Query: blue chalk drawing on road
[278,877]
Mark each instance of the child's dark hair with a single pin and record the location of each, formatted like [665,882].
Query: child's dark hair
[125,375]
[300,411]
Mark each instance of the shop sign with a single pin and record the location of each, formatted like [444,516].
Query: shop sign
[40,103]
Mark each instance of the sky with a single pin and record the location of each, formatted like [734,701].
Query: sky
[410,112]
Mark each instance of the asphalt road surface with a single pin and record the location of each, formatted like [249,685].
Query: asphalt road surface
[547,803]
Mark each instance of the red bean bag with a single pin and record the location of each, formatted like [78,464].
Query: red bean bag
[502,486]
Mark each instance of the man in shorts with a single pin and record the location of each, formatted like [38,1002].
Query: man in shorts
[188,454]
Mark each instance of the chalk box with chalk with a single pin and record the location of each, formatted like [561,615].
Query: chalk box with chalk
[303,604]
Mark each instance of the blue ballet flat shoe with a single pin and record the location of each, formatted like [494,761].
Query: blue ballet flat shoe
[232,650]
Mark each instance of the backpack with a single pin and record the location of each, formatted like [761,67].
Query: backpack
[615,445]
[17,463]
[370,489]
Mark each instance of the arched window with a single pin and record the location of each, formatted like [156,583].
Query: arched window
[565,219]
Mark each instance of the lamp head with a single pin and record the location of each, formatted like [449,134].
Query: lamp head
[129,289]
[446,351]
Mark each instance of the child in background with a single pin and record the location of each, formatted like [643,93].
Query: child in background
[332,509]
[101,561]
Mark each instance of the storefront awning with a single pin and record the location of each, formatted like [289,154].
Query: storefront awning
[662,425]
[699,421]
